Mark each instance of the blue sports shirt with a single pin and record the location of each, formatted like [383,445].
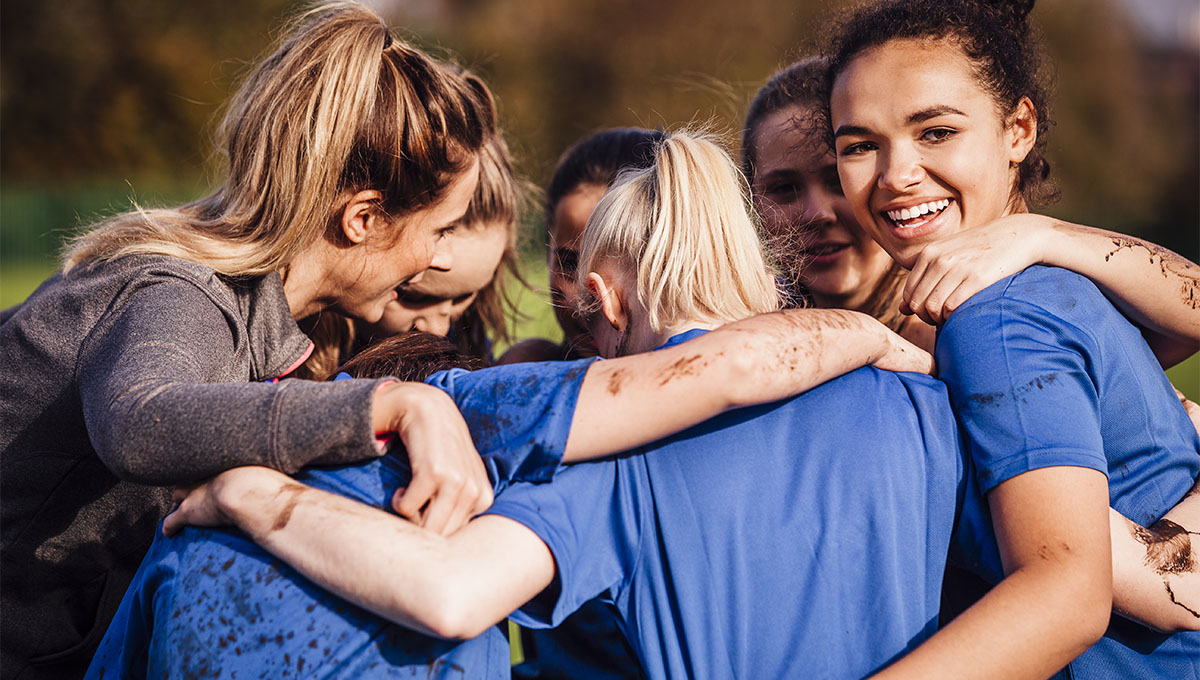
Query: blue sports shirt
[212,603]
[804,538]
[1043,371]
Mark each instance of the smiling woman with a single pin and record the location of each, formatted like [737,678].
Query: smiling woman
[924,170]
[938,120]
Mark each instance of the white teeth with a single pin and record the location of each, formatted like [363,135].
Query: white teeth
[918,210]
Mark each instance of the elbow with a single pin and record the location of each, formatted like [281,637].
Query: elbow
[740,366]
[1091,602]
[450,613]
[1094,619]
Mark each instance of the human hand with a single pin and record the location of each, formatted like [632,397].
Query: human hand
[202,504]
[902,355]
[948,272]
[449,484]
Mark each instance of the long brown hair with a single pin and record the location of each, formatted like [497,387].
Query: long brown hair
[340,106]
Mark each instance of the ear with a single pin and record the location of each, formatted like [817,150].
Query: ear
[1022,130]
[361,215]
[611,304]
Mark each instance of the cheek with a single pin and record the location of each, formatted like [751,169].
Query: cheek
[397,318]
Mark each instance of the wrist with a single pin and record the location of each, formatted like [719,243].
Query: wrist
[244,496]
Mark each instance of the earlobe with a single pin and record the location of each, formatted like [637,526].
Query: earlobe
[360,215]
[611,305]
[1022,130]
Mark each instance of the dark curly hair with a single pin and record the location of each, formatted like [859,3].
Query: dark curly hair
[994,34]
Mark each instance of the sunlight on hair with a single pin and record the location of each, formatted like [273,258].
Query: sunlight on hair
[686,226]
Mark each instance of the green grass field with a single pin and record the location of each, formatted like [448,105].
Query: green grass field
[19,279]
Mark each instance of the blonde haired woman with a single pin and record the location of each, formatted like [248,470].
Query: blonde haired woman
[745,515]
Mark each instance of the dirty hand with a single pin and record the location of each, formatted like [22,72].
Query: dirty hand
[449,484]
[947,273]
[902,355]
[200,505]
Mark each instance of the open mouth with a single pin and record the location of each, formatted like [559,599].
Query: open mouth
[917,215]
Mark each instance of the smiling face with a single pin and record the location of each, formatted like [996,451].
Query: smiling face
[922,150]
[369,271]
[441,296]
[809,222]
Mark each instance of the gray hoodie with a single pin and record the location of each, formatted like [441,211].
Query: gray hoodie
[118,381]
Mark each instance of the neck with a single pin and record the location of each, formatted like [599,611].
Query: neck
[302,284]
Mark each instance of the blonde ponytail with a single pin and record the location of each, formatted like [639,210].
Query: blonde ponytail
[686,227]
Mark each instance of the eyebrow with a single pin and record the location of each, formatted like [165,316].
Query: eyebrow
[932,112]
[913,119]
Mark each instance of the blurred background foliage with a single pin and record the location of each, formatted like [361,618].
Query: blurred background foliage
[104,101]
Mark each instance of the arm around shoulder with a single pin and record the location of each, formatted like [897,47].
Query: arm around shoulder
[753,361]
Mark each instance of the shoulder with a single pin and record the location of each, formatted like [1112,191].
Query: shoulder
[1055,291]
[1041,301]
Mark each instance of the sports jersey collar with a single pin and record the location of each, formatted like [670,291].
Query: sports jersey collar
[682,337]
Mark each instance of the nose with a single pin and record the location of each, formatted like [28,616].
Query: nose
[816,208]
[443,256]
[900,169]
[435,320]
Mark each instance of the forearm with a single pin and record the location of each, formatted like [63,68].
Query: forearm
[1155,576]
[1155,287]
[160,431]
[1028,626]
[1055,599]
[442,586]
[753,361]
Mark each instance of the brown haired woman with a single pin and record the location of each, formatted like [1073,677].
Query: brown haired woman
[152,358]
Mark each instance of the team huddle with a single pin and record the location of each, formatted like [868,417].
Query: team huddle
[844,407]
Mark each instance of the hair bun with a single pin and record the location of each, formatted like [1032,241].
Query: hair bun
[1014,13]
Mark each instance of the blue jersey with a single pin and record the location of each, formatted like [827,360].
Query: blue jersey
[1043,371]
[212,603]
[804,538]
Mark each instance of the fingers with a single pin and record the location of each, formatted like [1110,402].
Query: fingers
[419,492]
[922,286]
[447,509]
[172,523]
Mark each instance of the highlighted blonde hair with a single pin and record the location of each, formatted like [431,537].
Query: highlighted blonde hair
[686,227]
[341,106]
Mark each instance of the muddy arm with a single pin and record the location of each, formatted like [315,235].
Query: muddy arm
[753,361]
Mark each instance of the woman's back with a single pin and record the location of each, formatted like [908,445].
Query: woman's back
[802,538]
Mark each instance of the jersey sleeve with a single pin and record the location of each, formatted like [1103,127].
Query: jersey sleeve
[590,519]
[1018,377]
[157,414]
[519,415]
